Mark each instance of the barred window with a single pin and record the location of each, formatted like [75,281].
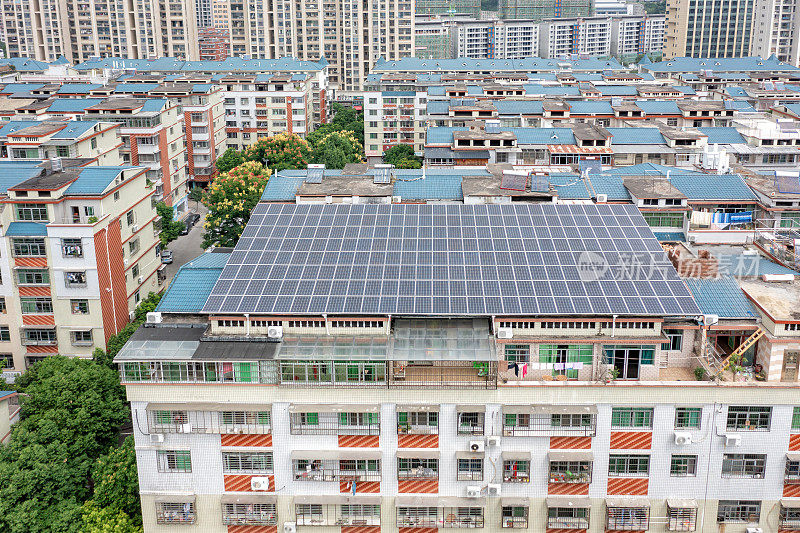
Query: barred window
[570,471]
[260,418]
[688,417]
[517,353]
[470,469]
[743,465]
[174,461]
[628,465]
[175,513]
[683,466]
[631,417]
[247,462]
[749,417]
[263,514]
[628,518]
[412,468]
[571,420]
[738,511]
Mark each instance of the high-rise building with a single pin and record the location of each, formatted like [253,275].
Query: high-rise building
[444,7]
[559,37]
[203,10]
[708,28]
[81,29]
[633,35]
[432,39]
[496,39]
[214,43]
[543,9]
[777,30]
[351,36]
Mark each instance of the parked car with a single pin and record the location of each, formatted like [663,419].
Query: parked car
[166,256]
[195,217]
[186,227]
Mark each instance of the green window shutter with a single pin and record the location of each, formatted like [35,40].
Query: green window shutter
[183,461]
[402,418]
[227,418]
[263,418]
[648,356]
[796,418]
[163,417]
[343,419]
[511,420]
[243,372]
[312,419]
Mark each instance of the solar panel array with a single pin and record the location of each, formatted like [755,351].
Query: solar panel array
[449,260]
[315,173]
[788,184]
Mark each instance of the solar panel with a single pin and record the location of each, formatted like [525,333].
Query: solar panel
[451,260]
[790,184]
[513,182]
[314,173]
[592,165]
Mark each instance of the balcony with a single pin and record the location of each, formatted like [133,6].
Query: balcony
[249,510]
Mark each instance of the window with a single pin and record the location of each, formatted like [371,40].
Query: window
[675,342]
[752,418]
[71,247]
[796,420]
[241,418]
[743,465]
[628,518]
[5,333]
[3,309]
[738,511]
[789,518]
[628,465]
[75,279]
[421,422]
[32,306]
[261,514]
[516,471]
[79,307]
[570,471]
[470,423]
[62,151]
[135,271]
[515,517]
[133,247]
[93,143]
[174,461]
[631,418]
[231,323]
[688,417]
[39,336]
[175,513]
[518,353]
[566,359]
[32,212]
[82,338]
[33,277]
[683,466]
[29,247]
[414,468]
[130,218]
[628,360]
[247,462]
[664,220]
[470,469]
[681,518]
[567,518]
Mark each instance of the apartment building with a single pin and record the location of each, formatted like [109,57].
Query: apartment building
[589,36]
[496,39]
[98,143]
[631,36]
[81,29]
[263,105]
[214,43]
[704,28]
[153,136]
[448,7]
[558,431]
[543,9]
[776,30]
[351,37]
[204,14]
[81,250]
[432,39]
[392,118]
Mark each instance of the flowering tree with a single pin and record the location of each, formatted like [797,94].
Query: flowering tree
[337,148]
[230,199]
[280,152]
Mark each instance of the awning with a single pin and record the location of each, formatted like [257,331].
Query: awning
[790,503]
[793,456]
[208,406]
[681,503]
[249,498]
[362,499]
[564,409]
[333,408]
[461,502]
[570,455]
[417,454]
[318,455]
[514,502]
[176,498]
[580,502]
[627,502]
[470,408]
[417,408]
[516,456]
[469,455]
[416,501]
[516,409]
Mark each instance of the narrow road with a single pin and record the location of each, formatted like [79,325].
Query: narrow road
[187,247]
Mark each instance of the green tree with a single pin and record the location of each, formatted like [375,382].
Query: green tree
[337,149]
[170,228]
[231,158]
[196,195]
[282,151]
[97,519]
[401,156]
[230,199]
[344,118]
[71,413]
[116,342]
[116,484]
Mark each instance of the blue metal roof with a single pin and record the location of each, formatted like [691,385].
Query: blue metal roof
[15,172]
[474,90]
[543,135]
[78,88]
[551,90]
[25,64]
[731,64]
[135,87]
[74,129]
[736,92]
[651,169]
[4,393]
[231,64]
[434,187]
[741,106]
[617,90]
[609,185]
[436,90]
[155,104]
[398,93]
[16,125]
[725,187]
[518,107]
[590,107]
[636,136]
[569,187]
[26,229]
[723,135]
[282,187]
[794,108]
[670,236]
[72,105]
[11,88]
[463,64]
[189,289]
[659,107]
[749,266]
[438,107]
[94,180]
[685,89]
[721,296]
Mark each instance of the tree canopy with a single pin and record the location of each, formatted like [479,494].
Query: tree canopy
[230,199]
[337,148]
[402,156]
[170,228]
[231,158]
[282,151]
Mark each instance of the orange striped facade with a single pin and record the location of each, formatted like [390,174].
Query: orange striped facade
[39,320]
[631,440]
[247,440]
[626,486]
[418,530]
[570,443]
[34,291]
[418,441]
[418,486]
[362,487]
[241,483]
[555,530]
[791,491]
[570,489]
[358,441]
[252,529]
[41,349]
[31,262]
[794,442]
[361,529]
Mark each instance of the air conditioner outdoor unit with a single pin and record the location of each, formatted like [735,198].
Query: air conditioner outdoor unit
[289,527]
[473,491]
[155,438]
[135,228]
[132,315]
[505,333]
[710,320]
[476,446]
[141,279]
[493,441]
[602,198]
[185,428]
[754,530]
[275,332]
[494,489]
[259,483]
[682,438]
[397,199]
[692,239]
[733,440]
[125,262]
[154,318]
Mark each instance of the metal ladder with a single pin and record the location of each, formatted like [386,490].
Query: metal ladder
[746,345]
